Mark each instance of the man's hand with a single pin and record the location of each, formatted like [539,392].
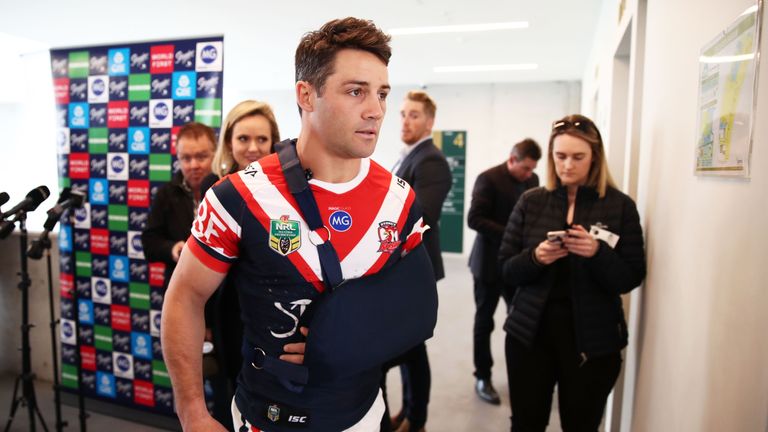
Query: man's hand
[295,350]
[581,242]
[176,251]
[548,252]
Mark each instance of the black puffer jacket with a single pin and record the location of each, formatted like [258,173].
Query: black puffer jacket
[595,284]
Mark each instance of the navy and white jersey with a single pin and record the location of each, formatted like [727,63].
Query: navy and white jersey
[250,226]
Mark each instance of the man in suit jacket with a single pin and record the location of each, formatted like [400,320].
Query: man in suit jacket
[494,196]
[425,168]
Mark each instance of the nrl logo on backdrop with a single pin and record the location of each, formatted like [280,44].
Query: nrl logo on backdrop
[388,237]
[284,235]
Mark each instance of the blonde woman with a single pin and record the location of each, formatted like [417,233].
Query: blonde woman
[248,134]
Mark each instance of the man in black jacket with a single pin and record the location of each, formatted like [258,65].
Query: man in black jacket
[494,196]
[425,168]
[173,208]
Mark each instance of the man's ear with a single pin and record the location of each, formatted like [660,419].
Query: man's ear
[305,96]
[430,123]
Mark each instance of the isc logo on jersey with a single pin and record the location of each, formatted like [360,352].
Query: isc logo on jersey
[161,113]
[210,56]
[123,365]
[78,116]
[98,89]
[340,221]
[117,166]
[119,61]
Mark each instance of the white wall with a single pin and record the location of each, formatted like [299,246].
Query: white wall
[702,347]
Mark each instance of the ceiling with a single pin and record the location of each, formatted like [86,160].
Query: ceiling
[261,37]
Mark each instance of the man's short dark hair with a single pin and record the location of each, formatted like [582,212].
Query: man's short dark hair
[527,148]
[317,50]
[196,130]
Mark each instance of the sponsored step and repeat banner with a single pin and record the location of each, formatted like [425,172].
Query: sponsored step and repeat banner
[119,108]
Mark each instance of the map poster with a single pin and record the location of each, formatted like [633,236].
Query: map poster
[727,88]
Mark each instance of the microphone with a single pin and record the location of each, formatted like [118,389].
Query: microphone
[30,203]
[4,198]
[67,199]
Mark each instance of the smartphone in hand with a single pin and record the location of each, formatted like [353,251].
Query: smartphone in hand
[556,236]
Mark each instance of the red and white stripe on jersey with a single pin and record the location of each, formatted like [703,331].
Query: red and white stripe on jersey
[416,235]
[365,258]
[266,202]
[380,197]
[215,228]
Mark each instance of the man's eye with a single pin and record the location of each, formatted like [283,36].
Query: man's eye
[355,92]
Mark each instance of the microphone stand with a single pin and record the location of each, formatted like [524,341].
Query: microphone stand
[27,378]
[43,243]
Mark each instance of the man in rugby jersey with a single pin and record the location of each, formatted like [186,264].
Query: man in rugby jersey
[250,227]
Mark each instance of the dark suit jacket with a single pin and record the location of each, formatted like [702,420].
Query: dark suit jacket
[494,196]
[427,171]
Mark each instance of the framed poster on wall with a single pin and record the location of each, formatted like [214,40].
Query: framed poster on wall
[728,70]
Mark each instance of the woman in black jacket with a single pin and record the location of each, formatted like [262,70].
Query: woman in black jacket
[571,249]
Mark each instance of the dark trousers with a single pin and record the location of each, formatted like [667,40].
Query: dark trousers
[487,296]
[417,380]
[583,388]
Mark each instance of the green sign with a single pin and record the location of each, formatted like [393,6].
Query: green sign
[453,145]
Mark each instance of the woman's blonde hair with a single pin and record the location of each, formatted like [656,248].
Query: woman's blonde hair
[579,126]
[223,160]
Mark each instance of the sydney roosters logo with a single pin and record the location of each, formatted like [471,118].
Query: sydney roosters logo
[388,237]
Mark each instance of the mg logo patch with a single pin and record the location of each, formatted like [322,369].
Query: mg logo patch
[284,235]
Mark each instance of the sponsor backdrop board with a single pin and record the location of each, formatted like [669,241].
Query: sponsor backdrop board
[119,108]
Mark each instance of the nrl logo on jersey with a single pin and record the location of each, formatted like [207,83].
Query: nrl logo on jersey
[284,235]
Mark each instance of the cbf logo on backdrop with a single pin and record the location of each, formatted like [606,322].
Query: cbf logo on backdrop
[118,268]
[138,140]
[119,61]
[78,116]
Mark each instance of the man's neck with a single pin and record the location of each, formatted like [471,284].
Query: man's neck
[324,165]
